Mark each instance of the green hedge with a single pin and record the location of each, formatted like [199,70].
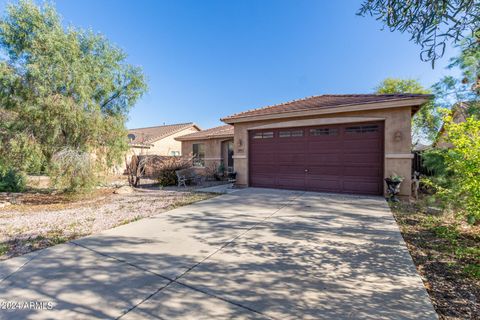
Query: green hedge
[11,180]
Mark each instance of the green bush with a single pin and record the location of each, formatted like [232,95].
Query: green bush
[457,168]
[167,178]
[11,180]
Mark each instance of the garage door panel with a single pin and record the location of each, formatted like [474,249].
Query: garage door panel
[293,181]
[328,170]
[264,180]
[323,146]
[286,158]
[290,169]
[344,158]
[282,148]
[323,184]
[323,158]
[262,169]
[353,146]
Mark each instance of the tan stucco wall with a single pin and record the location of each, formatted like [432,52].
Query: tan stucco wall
[165,146]
[397,142]
[213,149]
[161,147]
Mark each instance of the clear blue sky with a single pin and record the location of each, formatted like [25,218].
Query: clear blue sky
[208,59]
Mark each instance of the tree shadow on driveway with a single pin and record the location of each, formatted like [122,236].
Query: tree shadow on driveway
[282,258]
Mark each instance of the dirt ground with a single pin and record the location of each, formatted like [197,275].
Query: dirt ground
[446,252]
[36,220]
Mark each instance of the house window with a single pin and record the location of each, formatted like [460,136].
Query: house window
[362,129]
[291,133]
[324,132]
[263,135]
[198,154]
[175,153]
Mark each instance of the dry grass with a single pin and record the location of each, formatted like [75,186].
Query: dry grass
[42,220]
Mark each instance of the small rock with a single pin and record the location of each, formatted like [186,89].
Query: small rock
[434,210]
[124,190]
[4,204]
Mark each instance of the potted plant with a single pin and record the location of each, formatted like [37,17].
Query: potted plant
[393,187]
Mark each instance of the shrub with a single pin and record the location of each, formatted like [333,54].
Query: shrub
[11,180]
[72,170]
[457,181]
[163,169]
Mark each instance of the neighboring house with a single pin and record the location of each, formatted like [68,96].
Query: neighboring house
[159,140]
[460,114]
[328,143]
[210,147]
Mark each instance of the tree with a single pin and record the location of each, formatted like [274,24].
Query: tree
[450,90]
[427,121]
[61,89]
[431,23]
[460,165]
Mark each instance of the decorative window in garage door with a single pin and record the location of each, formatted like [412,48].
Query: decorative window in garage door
[290,133]
[324,132]
[362,129]
[263,135]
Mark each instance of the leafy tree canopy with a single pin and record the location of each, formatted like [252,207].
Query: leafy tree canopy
[61,88]
[427,121]
[450,90]
[431,23]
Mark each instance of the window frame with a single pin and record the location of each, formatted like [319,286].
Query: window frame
[293,133]
[362,129]
[324,132]
[199,156]
[263,135]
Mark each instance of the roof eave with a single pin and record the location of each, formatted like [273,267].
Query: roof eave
[397,103]
[140,145]
[155,139]
[223,136]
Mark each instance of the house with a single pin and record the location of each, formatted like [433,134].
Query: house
[159,140]
[212,147]
[460,113]
[329,143]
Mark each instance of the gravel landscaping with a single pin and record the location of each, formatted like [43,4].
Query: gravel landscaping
[38,220]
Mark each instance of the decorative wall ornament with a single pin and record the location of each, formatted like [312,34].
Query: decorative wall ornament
[398,136]
[240,146]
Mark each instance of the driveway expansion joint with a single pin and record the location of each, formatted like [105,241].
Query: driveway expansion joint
[192,267]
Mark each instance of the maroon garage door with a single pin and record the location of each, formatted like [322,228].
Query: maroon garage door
[345,158]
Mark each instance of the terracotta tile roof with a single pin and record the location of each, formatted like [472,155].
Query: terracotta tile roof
[324,101]
[217,132]
[146,136]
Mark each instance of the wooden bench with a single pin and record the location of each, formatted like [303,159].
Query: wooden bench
[188,174]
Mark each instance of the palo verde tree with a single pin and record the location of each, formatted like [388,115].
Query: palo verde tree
[427,121]
[61,89]
[464,89]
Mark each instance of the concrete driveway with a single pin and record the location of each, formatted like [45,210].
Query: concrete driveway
[252,254]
